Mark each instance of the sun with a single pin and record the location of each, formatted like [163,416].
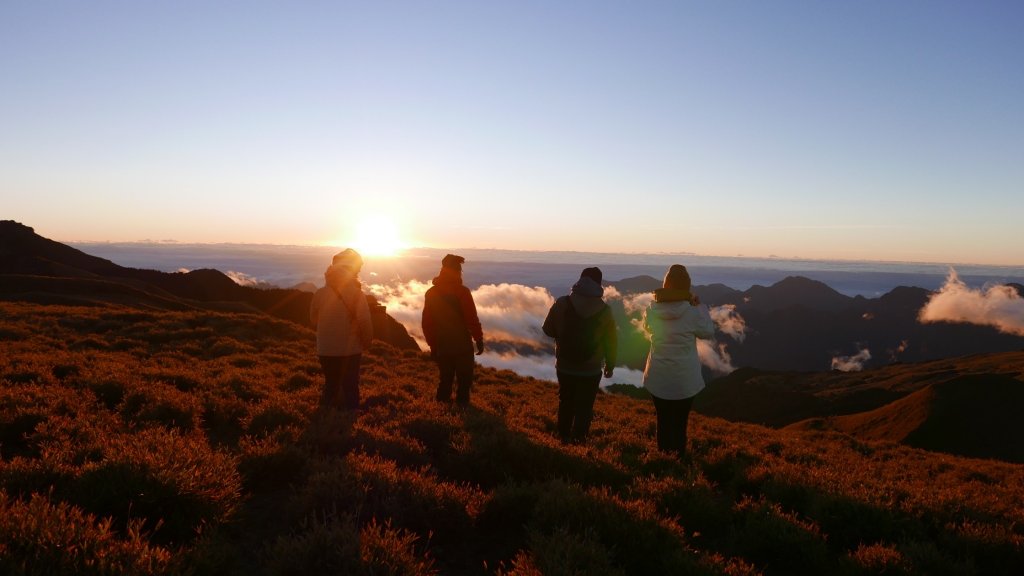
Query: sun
[377,236]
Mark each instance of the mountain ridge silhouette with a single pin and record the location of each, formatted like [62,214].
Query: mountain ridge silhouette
[803,324]
[36,268]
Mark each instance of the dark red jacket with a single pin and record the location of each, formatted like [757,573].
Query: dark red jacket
[450,321]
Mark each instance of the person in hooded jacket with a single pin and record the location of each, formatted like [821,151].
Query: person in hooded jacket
[341,316]
[451,326]
[586,344]
[673,376]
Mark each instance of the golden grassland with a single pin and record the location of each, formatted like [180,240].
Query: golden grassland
[140,442]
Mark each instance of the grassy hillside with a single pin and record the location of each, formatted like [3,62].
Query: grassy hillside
[778,398]
[145,442]
[971,414]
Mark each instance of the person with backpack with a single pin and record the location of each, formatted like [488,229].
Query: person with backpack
[586,344]
[451,326]
[344,328]
[673,376]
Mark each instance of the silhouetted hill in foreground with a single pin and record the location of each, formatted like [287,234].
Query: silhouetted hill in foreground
[37,269]
[974,415]
[966,405]
[22,251]
[177,442]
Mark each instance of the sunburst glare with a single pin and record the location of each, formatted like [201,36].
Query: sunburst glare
[377,236]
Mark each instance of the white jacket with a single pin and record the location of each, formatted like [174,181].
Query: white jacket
[673,367]
[341,315]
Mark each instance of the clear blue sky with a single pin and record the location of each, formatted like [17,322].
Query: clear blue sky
[854,130]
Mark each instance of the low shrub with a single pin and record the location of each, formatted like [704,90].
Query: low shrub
[392,551]
[22,477]
[265,464]
[38,536]
[109,392]
[269,417]
[415,499]
[879,558]
[783,543]
[330,486]
[319,545]
[157,403]
[176,484]
[567,553]
[635,537]
[298,381]
[222,417]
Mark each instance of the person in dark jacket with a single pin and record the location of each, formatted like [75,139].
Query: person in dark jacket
[451,326]
[586,345]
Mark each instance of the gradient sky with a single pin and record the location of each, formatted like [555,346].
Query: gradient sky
[874,130]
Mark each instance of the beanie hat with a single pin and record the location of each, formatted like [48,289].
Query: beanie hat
[594,273]
[348,258]
[452,261]
[677,277]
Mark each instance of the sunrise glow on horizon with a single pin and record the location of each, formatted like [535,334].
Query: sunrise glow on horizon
[375,236]
[865,132]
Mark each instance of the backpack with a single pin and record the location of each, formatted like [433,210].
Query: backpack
[579,340]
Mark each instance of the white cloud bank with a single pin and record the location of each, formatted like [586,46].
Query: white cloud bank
[512,316]
[998,306]
[404,303]
[853,363]
[512,312]
[243,279]
[714,356]
[729,321]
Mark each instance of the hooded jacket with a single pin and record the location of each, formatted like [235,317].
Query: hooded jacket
[340,314]
[450,322]
[585,298]
[673,367]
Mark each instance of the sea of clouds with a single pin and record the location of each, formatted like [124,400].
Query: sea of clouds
[514,290]
[512,316]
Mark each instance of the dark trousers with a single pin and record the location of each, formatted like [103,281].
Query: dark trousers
[455,368]
[341,381]
[576,396]
[673,417]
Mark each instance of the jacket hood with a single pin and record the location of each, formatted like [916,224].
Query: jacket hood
[586,286]
[586,297]
[672,295]
[669,310]
[448,276]
[340,278]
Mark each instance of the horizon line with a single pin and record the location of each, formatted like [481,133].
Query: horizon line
[403,252]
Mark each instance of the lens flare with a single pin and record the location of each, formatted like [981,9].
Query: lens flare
[377,236]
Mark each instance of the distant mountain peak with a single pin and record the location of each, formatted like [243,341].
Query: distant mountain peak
[12,227]
[796,291]
[790,282]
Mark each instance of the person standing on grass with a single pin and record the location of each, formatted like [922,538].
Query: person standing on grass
[586,345]
[673,376]
[341,316]
[451,326]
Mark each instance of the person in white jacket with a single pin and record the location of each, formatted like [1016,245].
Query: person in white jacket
[674,321]
[344,328]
